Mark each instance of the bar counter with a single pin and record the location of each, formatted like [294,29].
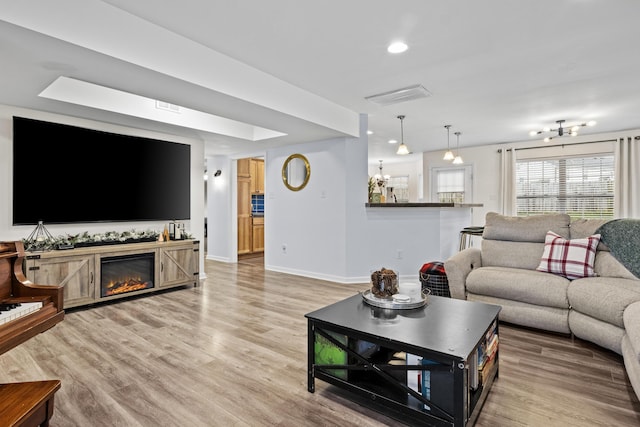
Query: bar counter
[423,205]
[403,236]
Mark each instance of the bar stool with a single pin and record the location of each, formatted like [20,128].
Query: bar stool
[466,236]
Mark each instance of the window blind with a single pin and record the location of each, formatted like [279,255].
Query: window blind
[582,187]
[450,185]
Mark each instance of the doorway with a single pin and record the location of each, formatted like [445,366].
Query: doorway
[251,207]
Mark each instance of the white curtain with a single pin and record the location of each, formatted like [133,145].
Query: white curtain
[627,201]
[508,181]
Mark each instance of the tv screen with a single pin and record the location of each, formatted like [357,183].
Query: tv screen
[66,174]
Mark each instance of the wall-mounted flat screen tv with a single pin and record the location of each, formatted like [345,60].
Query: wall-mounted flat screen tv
[67,174]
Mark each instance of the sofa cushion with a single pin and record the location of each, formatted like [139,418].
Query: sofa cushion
[622,237]
[581,228]
[605,263]
[631,364]
[511,254]
[572,259]
[631,319]
[524,228]
[531,315]
[607,266]
[598,332]
[528,286]
[604,298]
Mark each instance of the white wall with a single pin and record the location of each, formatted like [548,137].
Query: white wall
[221,240]
[9,232]
[310,223]
[330,234]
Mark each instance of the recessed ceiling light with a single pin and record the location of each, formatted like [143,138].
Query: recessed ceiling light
[369,132]
[392,141]
[397,47]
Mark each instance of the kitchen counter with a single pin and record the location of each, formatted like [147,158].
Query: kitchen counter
[410,234]
[424,205]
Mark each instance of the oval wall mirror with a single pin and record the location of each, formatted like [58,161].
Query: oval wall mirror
[296,172]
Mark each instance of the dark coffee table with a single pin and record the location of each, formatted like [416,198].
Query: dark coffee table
[360,348]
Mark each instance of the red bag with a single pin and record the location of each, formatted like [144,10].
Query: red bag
[434,278]
[435,268]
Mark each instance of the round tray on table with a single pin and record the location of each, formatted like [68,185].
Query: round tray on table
[375,301]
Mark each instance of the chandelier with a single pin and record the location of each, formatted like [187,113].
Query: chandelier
[381,179]
[560,130]
[402,149]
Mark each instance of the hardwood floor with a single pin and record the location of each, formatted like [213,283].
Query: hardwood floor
[232,352]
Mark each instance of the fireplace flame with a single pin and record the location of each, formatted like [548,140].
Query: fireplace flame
[126,285]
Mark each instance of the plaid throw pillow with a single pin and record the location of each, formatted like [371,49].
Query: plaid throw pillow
[572,259]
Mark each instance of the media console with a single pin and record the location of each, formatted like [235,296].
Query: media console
[96,274]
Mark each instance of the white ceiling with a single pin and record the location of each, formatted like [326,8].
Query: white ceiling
[496,69]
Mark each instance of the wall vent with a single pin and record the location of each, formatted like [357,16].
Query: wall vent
[399,95]
[161,105]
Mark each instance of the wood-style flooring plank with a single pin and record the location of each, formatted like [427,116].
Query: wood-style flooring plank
[232,352]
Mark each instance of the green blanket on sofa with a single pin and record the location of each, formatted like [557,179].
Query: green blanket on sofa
[622,236]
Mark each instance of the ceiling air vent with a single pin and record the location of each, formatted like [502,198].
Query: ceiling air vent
[400,95]
[161,105]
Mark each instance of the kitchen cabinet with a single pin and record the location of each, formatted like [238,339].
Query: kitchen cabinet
[257,244]
[244,168]
[257,176]
[245,230]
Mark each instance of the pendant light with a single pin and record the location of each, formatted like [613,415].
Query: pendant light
[449,154]
[458,159]
[402,149]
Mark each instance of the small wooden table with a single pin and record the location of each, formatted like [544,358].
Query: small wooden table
[27,404]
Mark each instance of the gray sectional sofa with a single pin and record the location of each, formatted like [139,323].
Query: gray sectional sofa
[603,308]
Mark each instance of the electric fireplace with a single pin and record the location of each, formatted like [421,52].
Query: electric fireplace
[126,273]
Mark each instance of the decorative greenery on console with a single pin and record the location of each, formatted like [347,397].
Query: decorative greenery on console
[97,239]
[109,237]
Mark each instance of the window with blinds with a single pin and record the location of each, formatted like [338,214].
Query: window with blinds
[579,186]
[450,185]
